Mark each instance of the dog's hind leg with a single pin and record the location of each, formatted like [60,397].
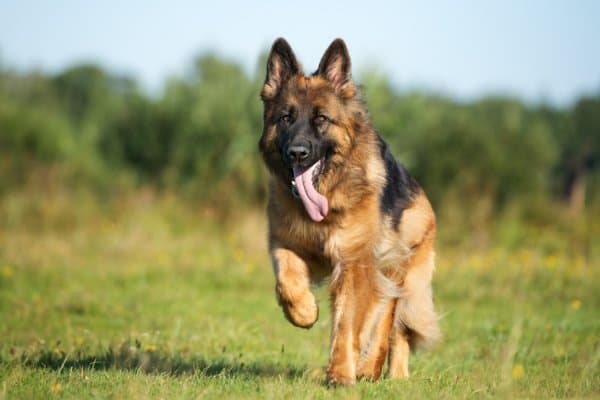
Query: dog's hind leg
[293,288]
[415,320]
[399,352]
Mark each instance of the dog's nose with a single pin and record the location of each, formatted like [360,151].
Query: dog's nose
[298,153]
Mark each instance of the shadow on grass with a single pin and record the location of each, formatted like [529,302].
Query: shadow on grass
[132,358]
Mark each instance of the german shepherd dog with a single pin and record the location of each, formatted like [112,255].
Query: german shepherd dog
[340,206]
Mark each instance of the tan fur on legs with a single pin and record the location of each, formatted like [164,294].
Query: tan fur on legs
[342,357]
[375,340]
[415,308]
[415,320]
[343,351]
[293,288]
[354,298]
[399,352]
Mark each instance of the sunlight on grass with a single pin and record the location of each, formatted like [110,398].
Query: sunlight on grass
[155,299]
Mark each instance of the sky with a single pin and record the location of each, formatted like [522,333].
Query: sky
[539,51]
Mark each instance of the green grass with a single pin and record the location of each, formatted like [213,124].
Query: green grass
[147,298]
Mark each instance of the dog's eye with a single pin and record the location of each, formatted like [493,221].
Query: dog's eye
[321,119]
[285,119]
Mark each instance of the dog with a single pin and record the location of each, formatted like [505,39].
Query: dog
[341,207]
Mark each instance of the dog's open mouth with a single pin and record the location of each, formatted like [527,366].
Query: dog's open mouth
[304,186]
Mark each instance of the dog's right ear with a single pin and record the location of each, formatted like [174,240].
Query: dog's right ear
[335,65]
[281,66]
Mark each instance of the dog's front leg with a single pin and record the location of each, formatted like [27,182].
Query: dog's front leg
[351,291]
[343,355]
[292,288]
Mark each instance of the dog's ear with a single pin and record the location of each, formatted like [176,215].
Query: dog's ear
[281,66]
[335,65]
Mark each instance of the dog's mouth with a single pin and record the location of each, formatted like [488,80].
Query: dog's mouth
[304,186]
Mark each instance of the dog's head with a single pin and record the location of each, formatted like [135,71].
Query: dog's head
[308,121]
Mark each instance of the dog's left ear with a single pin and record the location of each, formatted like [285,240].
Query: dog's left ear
[335,65]
[281,66]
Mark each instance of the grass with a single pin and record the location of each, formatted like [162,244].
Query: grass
[147,298]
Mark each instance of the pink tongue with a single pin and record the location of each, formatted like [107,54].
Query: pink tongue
[315,203]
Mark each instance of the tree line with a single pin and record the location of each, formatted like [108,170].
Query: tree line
[95,128]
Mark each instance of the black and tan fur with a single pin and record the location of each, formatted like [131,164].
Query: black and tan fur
[376,241]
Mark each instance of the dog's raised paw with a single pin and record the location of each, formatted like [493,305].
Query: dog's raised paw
[302,312]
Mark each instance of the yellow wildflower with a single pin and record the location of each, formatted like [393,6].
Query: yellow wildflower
[576,304]
[551,261]
[6,271]
[518,371]
[150,348]
[56,388]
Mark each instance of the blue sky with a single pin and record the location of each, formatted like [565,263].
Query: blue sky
[536,50]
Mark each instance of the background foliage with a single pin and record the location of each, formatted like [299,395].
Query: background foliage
[97,129]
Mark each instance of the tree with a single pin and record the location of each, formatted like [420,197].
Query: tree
[580,144]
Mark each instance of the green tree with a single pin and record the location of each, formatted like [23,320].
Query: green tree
[580,155]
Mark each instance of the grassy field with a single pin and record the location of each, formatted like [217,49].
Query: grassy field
[145,298]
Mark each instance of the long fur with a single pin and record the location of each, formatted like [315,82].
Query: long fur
[375,244]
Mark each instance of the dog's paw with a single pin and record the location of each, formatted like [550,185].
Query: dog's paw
[370,373]
[370,365]
[301,311]
[339,377]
